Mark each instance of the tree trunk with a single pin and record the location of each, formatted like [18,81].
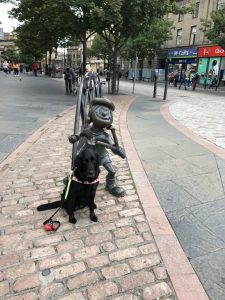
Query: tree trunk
[114,70]
[50,57]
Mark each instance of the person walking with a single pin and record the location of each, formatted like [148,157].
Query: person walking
[68,77]
[34,69]
[16,69]
[194,81]
[183,80]
[5,67]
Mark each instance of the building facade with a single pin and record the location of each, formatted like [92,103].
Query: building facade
[189,49]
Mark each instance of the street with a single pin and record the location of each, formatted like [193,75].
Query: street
[26,103]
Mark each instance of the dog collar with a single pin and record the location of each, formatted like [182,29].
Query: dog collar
[74,178]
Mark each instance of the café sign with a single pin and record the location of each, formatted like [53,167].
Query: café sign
[182,52]
[212,51]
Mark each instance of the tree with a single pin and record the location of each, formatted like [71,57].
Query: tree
[44,25]
[148,43]
[214,28]
[83,21]
[98,49]
[11,55]
[118,21]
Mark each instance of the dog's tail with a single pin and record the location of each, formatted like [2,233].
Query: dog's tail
[49,206]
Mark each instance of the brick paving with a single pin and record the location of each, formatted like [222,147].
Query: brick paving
[116,258]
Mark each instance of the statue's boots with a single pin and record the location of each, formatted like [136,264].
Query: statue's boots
[113,187]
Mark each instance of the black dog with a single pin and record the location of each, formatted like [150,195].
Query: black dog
[82,188]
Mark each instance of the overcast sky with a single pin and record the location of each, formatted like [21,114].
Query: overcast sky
[7,23]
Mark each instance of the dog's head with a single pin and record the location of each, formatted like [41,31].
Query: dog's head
[87,165]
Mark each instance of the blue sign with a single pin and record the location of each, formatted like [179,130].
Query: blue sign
[182,52]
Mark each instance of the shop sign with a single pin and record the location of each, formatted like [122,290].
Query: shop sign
[182,52]
[211,51]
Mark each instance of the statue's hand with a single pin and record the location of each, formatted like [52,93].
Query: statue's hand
[121,152]
[73,138]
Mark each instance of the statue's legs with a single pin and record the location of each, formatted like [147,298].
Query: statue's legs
[111,182]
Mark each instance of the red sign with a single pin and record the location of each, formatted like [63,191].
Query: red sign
[211,51]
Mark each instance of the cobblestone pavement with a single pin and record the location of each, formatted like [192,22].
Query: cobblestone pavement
[204,114]
[116,258]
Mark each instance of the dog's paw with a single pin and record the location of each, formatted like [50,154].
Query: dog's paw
[72,219]
[94,218]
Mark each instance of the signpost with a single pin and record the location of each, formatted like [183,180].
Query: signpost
[134,73]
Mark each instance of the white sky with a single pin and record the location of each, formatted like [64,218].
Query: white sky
[7,23]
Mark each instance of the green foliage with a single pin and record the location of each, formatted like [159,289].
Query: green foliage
[148,43]
[44,25]
[11,55]
[99,48]
[214,28]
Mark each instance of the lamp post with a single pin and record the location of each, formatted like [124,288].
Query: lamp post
[135,70]
[166,80]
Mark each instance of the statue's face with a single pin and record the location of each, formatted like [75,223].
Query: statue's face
[101,116]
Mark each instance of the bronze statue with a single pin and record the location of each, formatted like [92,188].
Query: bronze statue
[96,136]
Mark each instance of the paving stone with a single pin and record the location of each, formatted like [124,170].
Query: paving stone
[102,290]
[156,291]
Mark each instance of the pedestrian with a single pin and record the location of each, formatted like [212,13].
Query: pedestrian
[175,81]
[21,68]
[183,80]
[5,66]
[16,69]
[80,73]
[214,83]
[34,69]
[209,82]
[10,67]
[68,77]
[126,75]
[194,81]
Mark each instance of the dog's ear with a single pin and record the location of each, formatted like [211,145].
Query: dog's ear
[77,161]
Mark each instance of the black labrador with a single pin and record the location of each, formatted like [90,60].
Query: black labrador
[80,191]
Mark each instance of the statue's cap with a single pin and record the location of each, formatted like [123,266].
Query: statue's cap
[104,102]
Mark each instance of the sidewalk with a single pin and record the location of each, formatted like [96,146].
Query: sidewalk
[120,257]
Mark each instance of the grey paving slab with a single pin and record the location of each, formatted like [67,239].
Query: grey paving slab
[153,153]
[196,238]
[211,272]
[205,187]
[212,215]
[172,197]
[206,162]
[171,169]
[3,155]
[186,149]
[11,142]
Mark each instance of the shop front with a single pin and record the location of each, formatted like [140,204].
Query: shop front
[182,59]
[211,64]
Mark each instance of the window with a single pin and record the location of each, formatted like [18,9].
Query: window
[193,35]
[179,37]
[196,10]
[221,4]
[180,18]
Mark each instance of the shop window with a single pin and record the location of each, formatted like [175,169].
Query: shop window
[193,35]
[180,18]
[196,10]
[179,37]
[221,4]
